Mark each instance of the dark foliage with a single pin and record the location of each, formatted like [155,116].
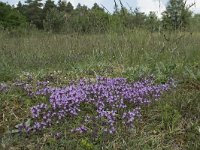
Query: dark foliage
[63,17]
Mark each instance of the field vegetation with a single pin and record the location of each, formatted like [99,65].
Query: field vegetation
[160,66]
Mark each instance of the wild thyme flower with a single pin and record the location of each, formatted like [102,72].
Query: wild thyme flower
[4,87]
[80,129]
[111,100]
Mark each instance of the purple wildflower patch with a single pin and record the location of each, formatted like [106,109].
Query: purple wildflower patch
[107,101]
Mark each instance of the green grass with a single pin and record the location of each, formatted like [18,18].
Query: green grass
[172,123]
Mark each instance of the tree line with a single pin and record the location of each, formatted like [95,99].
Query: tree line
[64,17]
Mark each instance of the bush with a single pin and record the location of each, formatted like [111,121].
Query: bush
[10,17]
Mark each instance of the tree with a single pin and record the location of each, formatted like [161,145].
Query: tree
[98,19]
[33,12]
[62,5]
[152,22]
[48,6]
[54,21]
[80,19]
[177,15]
[97,7]
[82,9]
[69,7]
[19,6]
[133,19]
[140,17]
[10,17]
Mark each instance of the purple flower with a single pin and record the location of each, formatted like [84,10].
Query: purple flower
[58,135]
[80,129]
[111,100]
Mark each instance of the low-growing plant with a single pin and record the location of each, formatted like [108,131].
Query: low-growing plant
[101,106]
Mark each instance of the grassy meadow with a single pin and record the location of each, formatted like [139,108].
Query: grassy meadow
[172,123]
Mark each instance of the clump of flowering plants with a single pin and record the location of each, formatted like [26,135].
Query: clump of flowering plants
[108,102]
